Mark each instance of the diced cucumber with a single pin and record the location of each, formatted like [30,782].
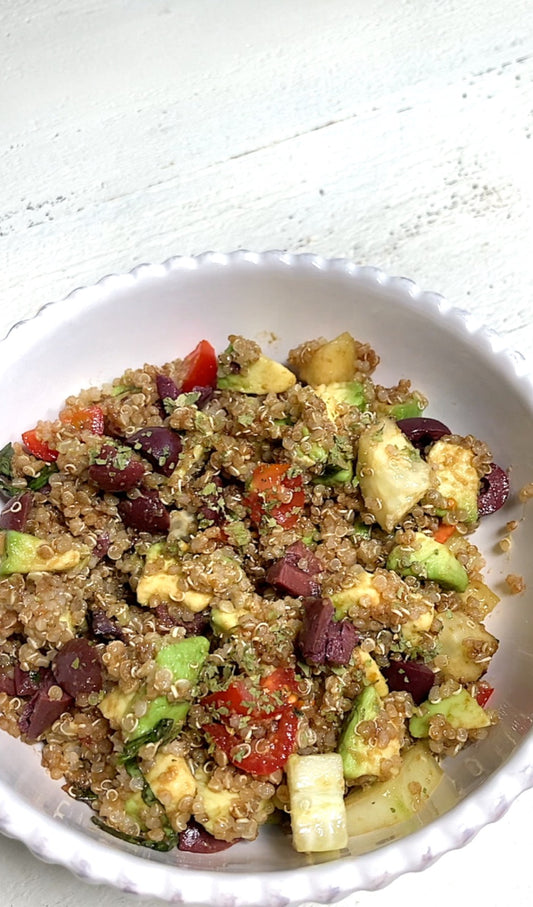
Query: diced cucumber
[392,475]
[455,478]
[459,633]
[460,711]
[318,813]
[386,803]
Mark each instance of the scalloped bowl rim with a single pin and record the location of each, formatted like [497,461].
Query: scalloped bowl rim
[92,859]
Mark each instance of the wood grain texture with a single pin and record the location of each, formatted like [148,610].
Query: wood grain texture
[393,132]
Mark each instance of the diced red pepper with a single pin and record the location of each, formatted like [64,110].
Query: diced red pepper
[282,680]
[90,418]
[269,483]
[38,448]
[201,367]
[484,694]
[272,707]
[443,533]
[275,747]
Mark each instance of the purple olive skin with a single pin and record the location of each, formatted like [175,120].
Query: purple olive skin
[105,628]
[15,513]
[146,513]
[412,677]
[77,668]
[422,432]
[27,683]
[195,839]
[166,388]
[114,471]
[41,712]
[160,446]
[494,490]
[205,395]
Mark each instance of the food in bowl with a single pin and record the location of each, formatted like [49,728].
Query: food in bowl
[233,590]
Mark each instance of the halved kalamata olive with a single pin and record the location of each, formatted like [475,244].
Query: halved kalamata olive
[422,431]
[15,513]
[103,543]
[166,388]
[115,469]
[494,490]
[160,446]
[205,394]
[104,627]
[193,627]
[195,839]
[147,513]
[27,683]
[7,681]
[412,677]
[41,712]
[77,667]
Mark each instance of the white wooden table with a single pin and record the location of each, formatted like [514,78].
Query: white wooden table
[394,133]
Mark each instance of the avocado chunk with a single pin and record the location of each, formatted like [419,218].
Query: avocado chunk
[392,475]
[462,640]
[21,554]
[409,409]
[386,803]
[351,393]
[429,560]
[264,376]
[460,711]
[332,362]
[184,660]
[308,454]
[160,579]
[360,758]
[346,598]
[455,478]
[170,780]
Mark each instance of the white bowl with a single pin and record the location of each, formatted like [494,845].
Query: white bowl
[159,312]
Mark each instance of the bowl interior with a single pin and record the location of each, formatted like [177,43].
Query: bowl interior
[161,312]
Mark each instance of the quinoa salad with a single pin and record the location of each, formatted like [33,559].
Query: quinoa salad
[234,591]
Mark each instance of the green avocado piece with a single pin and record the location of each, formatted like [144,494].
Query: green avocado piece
[429,560]
[335,475]
[184,659]
[21,555]
[460,710]
[411,409]
[351,392]
[358,756]
[264,376]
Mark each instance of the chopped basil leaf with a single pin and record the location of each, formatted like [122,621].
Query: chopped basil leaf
[6,458]
[41,479]
[168,843]
[161,731]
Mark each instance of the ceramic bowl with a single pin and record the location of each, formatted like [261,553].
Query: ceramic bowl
[158,312]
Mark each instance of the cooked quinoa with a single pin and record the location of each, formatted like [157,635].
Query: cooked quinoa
[205,567]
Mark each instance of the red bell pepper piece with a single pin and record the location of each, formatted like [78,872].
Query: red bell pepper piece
[201,368]
[268,488]
[38,448]
[275,747]
[443,533]
[90,418]
[271,706]
[484,694]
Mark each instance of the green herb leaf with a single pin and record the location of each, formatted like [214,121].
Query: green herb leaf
[167,844]
[6,458]
[7,490]
[161,731]
[125,389]
[41,479]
